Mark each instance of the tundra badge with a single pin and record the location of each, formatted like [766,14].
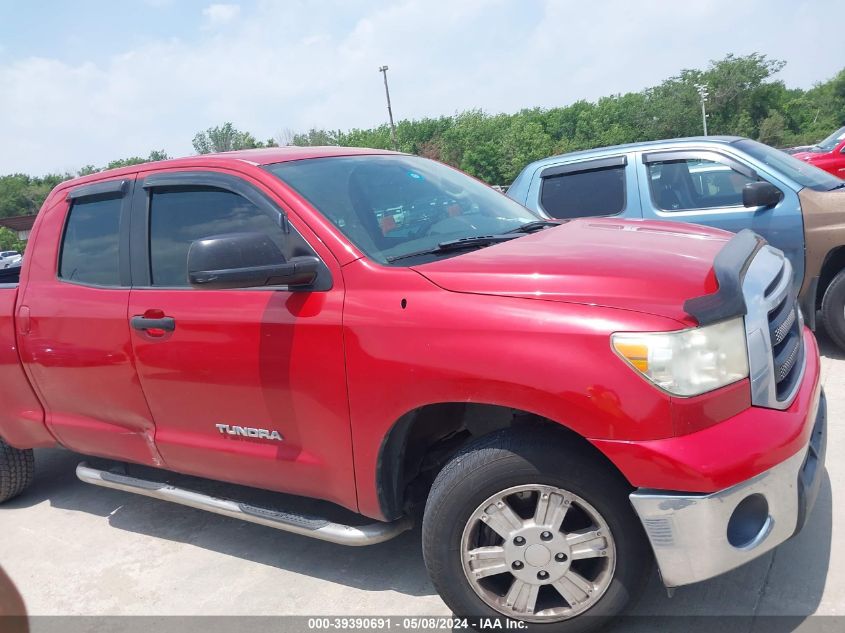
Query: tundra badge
[247,431]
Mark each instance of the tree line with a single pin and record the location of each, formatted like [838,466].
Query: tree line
[744,98]
[21,194]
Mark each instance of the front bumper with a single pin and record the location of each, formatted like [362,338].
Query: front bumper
[699,536]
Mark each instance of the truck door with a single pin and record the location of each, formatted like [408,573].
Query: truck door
[246,385]
[594,187]
[73,333]
[705,187]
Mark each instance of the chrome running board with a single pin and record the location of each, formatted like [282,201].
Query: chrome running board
[313,527]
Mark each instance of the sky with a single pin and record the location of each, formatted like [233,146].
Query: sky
[89,81]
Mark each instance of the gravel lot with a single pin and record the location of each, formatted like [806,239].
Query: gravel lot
[76,549]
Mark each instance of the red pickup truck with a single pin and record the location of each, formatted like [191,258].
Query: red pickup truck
[568,401]
[828,154]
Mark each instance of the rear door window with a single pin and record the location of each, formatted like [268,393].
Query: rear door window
[90,243]
[584,193]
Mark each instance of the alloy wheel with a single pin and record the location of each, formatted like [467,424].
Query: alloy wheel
[538,553]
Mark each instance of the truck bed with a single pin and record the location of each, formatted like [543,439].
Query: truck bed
[21,414]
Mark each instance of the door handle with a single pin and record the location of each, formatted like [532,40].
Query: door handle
[23,320]
[167,324]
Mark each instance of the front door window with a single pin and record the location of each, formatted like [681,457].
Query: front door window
[684,185]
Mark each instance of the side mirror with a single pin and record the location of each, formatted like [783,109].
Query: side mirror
[761,194]
[245,260]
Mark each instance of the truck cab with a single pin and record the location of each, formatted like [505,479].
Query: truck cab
[730,183]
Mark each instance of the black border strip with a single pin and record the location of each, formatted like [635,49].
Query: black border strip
[107,188]
[584,165]
[730,265]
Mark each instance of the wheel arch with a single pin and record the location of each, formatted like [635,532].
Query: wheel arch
[423,439]
[834,262]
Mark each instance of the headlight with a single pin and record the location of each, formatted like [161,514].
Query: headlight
[688,362]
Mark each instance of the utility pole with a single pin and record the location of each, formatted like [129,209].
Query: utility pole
[702,92]
[383,70]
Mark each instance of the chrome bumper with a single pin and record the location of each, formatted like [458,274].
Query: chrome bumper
[696,537]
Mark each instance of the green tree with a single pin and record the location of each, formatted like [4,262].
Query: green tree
[157,155]
[225,138]
[742,126]
[744,98]
[773,129]
[154,156]
[9,240]
[23,195]
[318,138]
[524,141]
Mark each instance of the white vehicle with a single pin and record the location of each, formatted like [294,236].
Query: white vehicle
[11,260]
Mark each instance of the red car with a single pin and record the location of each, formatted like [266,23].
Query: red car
[568,402]
[828,155]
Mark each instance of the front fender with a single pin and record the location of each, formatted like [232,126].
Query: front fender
[410,343]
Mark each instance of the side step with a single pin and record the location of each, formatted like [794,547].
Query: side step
[314,527]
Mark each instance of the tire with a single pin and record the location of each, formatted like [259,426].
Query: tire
[526,459]
[833,310]
[17,467]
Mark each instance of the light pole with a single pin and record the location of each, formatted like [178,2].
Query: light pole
[383,70]
[702,92]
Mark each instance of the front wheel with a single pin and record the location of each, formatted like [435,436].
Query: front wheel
[519,525]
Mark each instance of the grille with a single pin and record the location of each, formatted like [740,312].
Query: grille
[773,329]
[787,345]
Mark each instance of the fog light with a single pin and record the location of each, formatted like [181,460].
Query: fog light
[750,522]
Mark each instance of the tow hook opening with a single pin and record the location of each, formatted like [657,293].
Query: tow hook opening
[750,522]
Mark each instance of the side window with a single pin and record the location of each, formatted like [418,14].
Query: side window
[89,252]
[681,185]
[178,216]
[584,193]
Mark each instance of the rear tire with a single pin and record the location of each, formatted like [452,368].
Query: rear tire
[513,469]
[17,467]
[833,310]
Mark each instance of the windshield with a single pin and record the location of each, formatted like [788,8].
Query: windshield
[393,205]
[802,173]
[830,143]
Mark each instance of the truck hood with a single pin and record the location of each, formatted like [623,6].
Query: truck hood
[645,266]
[810,156]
